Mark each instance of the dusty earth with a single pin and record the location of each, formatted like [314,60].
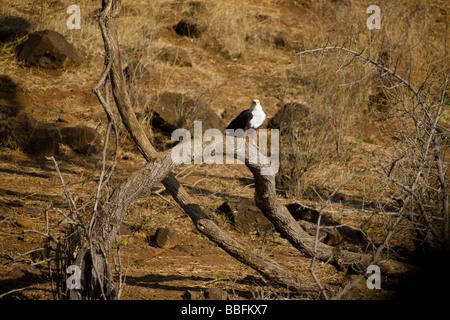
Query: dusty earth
[31,194]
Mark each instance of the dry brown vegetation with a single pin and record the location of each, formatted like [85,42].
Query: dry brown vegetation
[353,117]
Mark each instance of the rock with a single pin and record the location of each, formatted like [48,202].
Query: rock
[48,49]
[24,223]
[283,40]
[165,111]
[166,238]
[44,141]
[330,237]
[16,130]
[246,216]
[290,115]
[87,149]
[67,118]
[215,294]
[190,295]
[173,110]
[124,230]
[136,73]
[309,214]
[12,28]
[333,236]
[81,138]
[25,274]
[176,56]
[189,28]
[19,277]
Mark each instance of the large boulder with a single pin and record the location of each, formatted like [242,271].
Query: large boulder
[48,49]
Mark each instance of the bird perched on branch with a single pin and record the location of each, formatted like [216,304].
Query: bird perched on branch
[251,118]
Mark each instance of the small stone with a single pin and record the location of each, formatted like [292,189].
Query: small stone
[124,229]
[190,295]
[66,118]
[166,237]
[24,223]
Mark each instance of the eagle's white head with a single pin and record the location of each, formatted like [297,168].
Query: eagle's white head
[255,104]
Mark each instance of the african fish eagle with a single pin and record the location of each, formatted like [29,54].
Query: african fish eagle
[251,118]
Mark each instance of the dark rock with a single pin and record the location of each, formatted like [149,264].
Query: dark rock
[246,216]
[189,28]
[309,214]
[12,28]
[87,149]
[190,295]
[44,141]
[48,49]
[330,237]
[333,236]
[166,238]
[20,276]
[25,274]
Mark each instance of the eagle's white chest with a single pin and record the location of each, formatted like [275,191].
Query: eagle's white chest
[258,117]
